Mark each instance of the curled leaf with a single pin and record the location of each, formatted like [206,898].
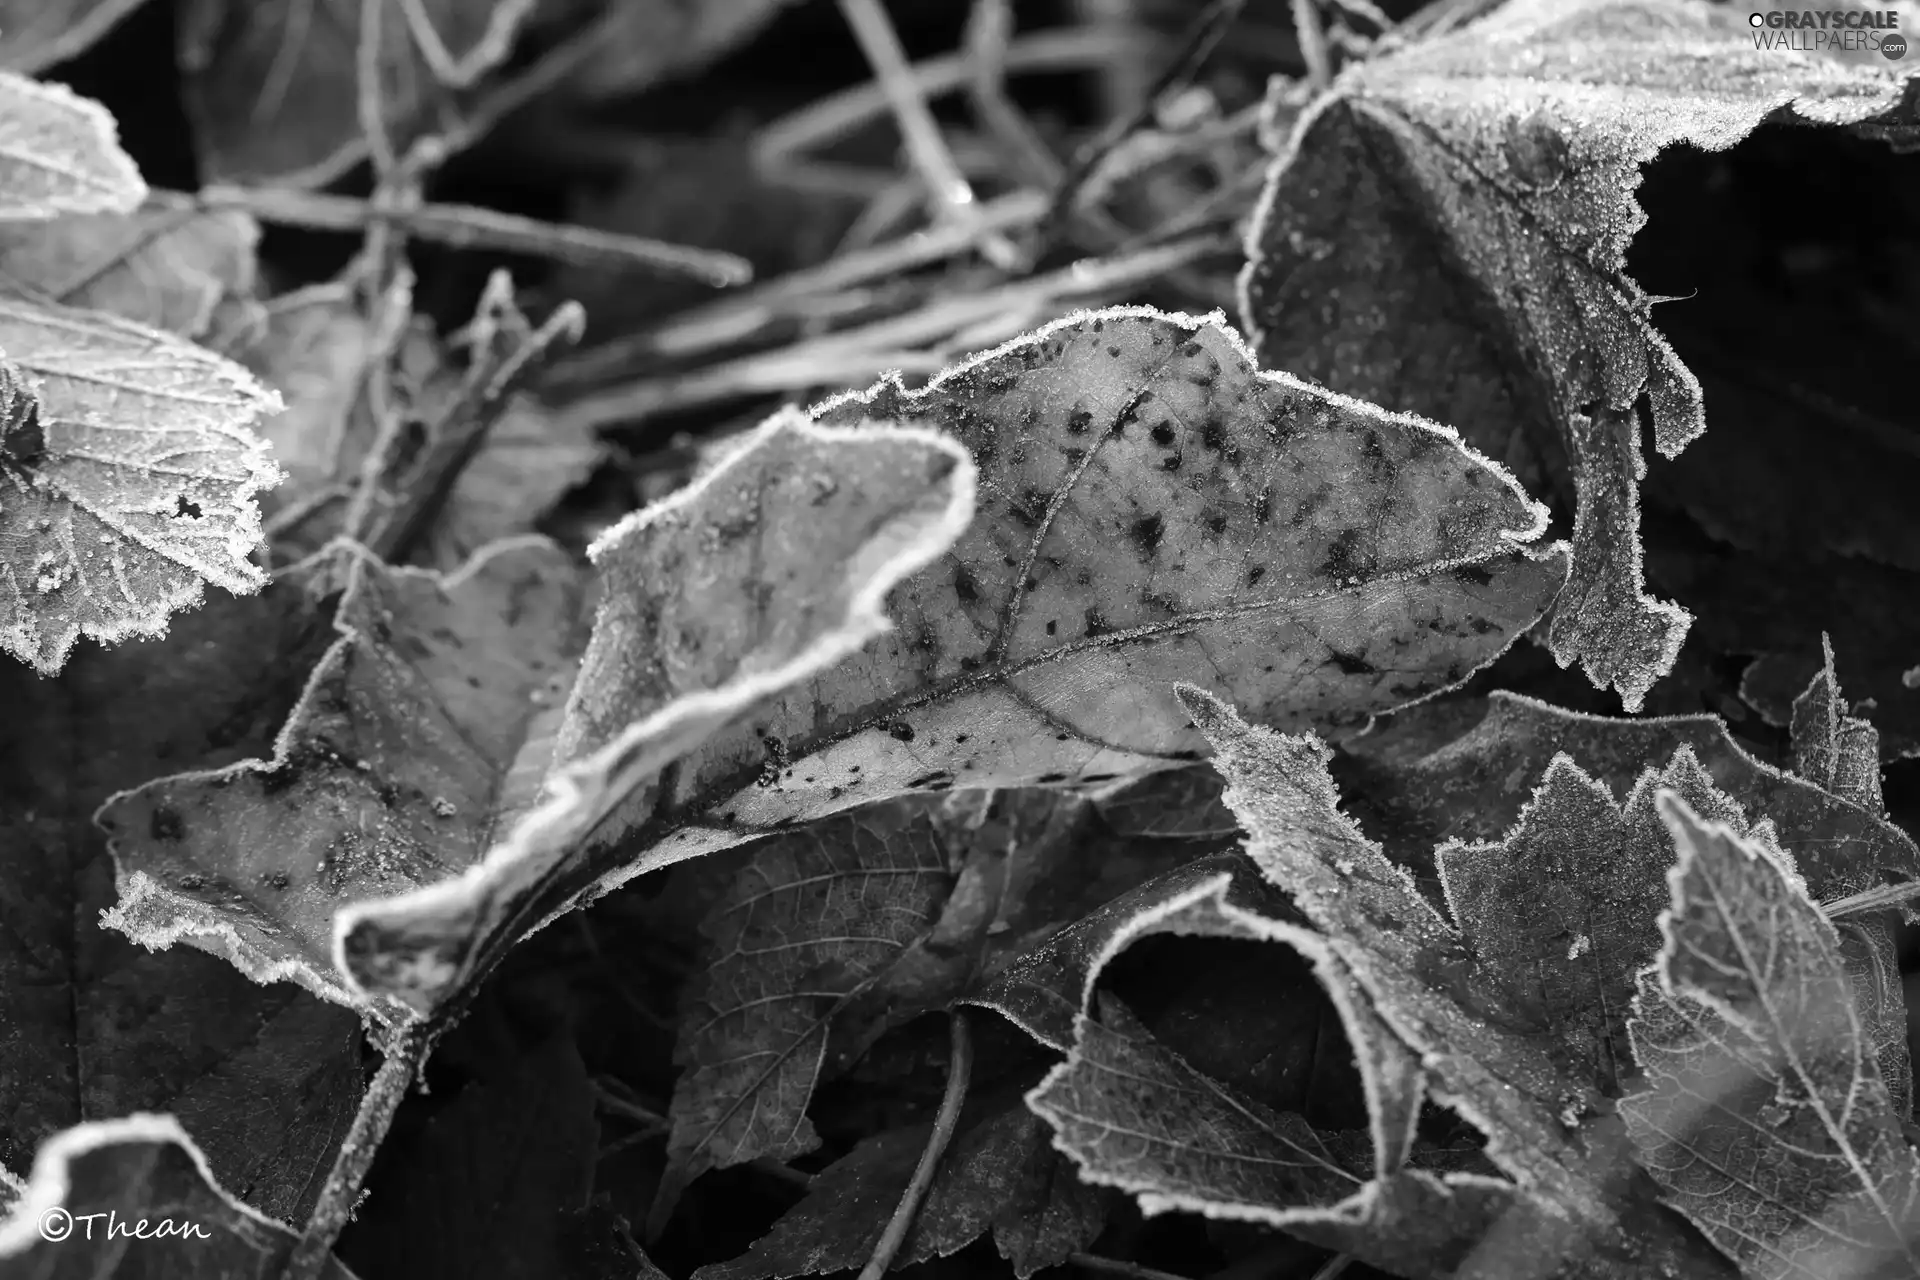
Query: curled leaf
[1446,232]
[60,154]
[145,487]
[1765,1119]
[427,725]
[808,527]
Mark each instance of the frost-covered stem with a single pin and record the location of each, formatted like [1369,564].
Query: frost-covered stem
[959,1072]
[950,192]
[406,1053]
[1116,1267]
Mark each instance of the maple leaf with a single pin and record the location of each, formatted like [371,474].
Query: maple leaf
[271,88]
[139,485]
[138,1186]
[999,1175]
[1512,146]
[1482,1030]
[171,267]
[97,1027]
[61,154]
[1765,1120]
[426,726]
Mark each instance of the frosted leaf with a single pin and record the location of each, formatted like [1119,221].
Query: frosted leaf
[1765,1119]
[60,154]
[1446,233]
[138,488]
[41,33]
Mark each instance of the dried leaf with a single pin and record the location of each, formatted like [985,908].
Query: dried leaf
[808,528]
[1327,560]
[651,41]
[144,489]
[134,1197]
[425,728]
[1513,146]
[1766,1121]
[811,919]
[97,1027]
[1476,1026]
[1226,1155]
[1832,749]
[1462,770]
[165,266]
[60,154]
[998,1175]
[40,33]
[272,87]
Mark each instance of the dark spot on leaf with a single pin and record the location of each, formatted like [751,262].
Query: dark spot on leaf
[1216,524]
[1345,559]
[1473,574]
[1351,664]
[1097,625]
[1053,626]
[901,730]
[1146,534]
[964,584]
[929,779]
[1263,507]
[1163,434]
[1114,351]
[1051,777]
[166,824]
[1079,420]
[190,510]
[1256,573]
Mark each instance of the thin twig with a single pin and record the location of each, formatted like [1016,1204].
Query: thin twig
[858,354]
[463,226]
[949,190]
[1334,1266]
[406,1054]
[834,117]
[1313,43]
[1116,1267]
[737,318]
[989,36]
[1198,45]
[959,1072]
[369,99]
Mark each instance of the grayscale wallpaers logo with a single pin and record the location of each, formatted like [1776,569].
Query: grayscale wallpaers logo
[1827,30]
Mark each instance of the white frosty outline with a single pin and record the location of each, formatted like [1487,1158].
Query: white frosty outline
[46,651]
[1520,21]
[93,192]
[576,786]
[51,1180]
[1390,1148]
[193,919]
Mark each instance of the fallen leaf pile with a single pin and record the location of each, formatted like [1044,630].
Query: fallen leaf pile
[1111,798]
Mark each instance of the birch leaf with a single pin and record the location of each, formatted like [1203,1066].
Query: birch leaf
[1446,233]
[1329,561]
[424,728]
[60,154]
[271,86]
[1765,1120]
[136,488]
[138,1172]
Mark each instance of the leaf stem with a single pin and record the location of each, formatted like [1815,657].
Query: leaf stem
[464,226]
[1115,1267]
[959,1073]
[406,1053]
